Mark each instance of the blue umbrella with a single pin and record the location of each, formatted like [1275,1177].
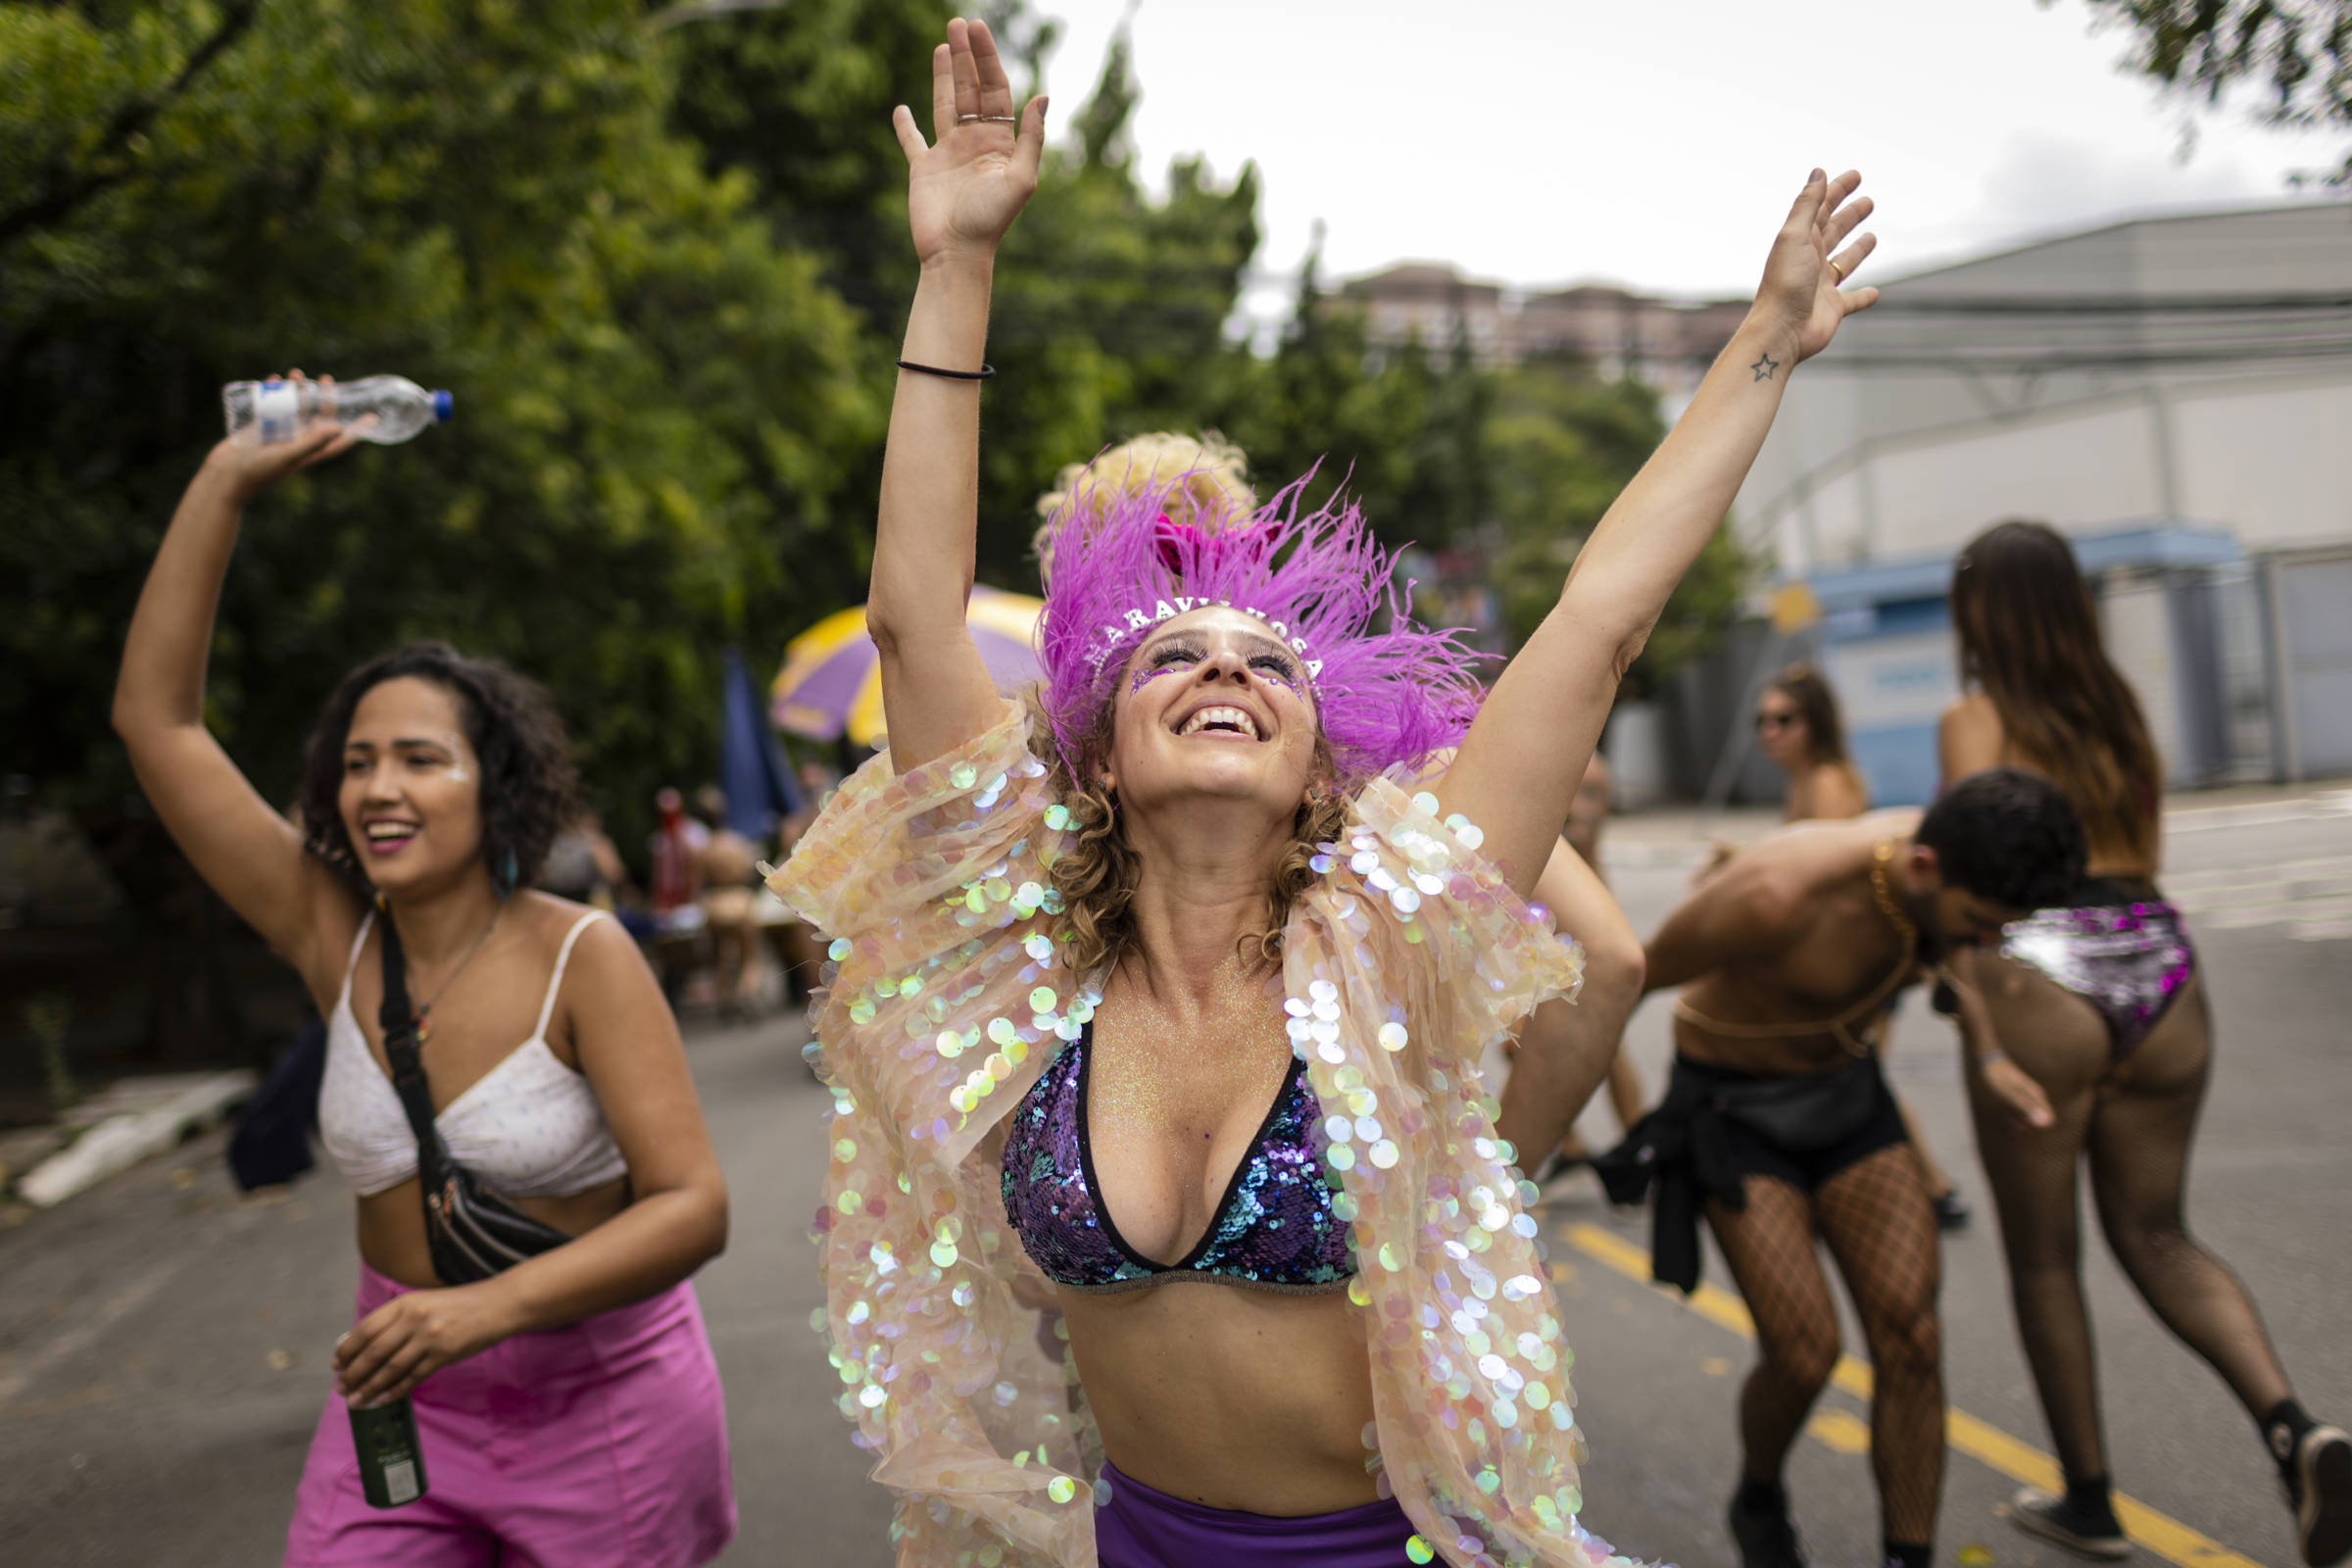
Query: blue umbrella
[752,771]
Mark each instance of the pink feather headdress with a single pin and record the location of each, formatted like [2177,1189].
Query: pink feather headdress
[1387,694]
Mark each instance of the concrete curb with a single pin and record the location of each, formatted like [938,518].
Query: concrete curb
[120,1142]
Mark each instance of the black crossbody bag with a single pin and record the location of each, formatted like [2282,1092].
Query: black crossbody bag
[471,1231]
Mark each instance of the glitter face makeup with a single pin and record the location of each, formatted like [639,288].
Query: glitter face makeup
[460,758]
[1315,584]
[410,795]
[1180,653]
[1167,660]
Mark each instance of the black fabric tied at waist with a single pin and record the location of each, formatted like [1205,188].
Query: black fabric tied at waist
[1684,1146]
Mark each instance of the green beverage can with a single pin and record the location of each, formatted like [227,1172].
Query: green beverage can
[391,1461]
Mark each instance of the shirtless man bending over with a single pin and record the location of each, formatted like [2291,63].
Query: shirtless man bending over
[1779,1126]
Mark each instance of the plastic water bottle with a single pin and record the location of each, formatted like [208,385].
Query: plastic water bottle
[274,410]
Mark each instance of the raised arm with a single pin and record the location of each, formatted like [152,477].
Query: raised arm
[962,193]
[244,848]
[1527,750]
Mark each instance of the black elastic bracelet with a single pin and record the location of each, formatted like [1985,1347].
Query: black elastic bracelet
[981,375]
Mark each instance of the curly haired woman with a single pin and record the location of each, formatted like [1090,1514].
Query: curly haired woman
[1160,996]
[567,1405]
[1550,1067]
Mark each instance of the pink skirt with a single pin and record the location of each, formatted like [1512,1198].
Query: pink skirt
[601,1443]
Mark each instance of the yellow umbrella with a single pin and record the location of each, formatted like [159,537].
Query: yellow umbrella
[832,677]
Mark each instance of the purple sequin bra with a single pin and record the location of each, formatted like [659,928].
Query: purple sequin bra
[1273,1231]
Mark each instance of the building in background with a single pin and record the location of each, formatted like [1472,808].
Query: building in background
[1432,302]
[2175,394]
[1666,344]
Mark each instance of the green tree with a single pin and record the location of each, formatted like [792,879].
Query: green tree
[1114,304]
[1110,303]
[1399,426]
[1110,313]
[1562,443]
[2297,55]
[798,97]
[658,409]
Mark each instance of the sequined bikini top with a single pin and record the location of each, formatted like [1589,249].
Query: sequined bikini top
[1273,1231]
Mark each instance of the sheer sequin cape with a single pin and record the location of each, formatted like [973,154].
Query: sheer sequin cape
[948,993]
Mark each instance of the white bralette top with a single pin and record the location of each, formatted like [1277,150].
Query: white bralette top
[530,1127]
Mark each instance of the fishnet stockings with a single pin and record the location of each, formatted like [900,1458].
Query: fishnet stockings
[2135,1126]
[1876,1219]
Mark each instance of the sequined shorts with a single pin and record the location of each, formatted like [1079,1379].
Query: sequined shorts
[1135,1527]
[2129,959]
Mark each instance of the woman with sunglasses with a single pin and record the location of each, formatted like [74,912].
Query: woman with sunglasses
[1797,726]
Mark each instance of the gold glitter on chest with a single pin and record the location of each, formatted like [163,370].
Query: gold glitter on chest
[1179,1071]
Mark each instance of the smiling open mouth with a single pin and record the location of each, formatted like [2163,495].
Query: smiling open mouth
[1221,721]
[387,836]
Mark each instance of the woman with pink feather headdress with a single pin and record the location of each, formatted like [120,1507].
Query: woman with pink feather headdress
[1167,1221]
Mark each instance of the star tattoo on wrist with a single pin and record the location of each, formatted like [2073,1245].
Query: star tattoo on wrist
[1764,367]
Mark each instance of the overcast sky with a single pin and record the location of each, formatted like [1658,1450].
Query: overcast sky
[1655,142]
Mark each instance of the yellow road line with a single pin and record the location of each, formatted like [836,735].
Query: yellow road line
[1837,1430]
[2168,1537]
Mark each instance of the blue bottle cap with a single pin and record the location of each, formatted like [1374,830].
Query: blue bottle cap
[441,403]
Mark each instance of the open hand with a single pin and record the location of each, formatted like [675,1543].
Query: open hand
[2015,1088]
[410,1337]
[966,187]
[251,468]
[1802,276]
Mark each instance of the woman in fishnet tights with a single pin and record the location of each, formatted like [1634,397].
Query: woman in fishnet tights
[2101,1006]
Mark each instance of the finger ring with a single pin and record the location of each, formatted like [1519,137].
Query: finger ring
[1837,272]
[965,120]
[1002,119]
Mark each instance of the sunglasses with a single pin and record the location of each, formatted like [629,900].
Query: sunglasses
[1771,722]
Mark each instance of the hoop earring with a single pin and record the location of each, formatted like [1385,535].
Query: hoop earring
[504,875]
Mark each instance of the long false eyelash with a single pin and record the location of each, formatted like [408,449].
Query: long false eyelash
[1172,648]
[1163,659]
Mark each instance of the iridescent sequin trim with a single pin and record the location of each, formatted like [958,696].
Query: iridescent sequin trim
[1401,965]
[2128,961]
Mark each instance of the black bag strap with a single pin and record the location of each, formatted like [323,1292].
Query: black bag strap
[398,1019]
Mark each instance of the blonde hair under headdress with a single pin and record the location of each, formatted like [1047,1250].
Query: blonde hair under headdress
[1206,472]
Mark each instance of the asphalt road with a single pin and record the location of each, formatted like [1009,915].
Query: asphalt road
[163,1343]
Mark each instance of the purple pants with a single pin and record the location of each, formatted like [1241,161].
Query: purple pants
[1140,1527]
[598,1446]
